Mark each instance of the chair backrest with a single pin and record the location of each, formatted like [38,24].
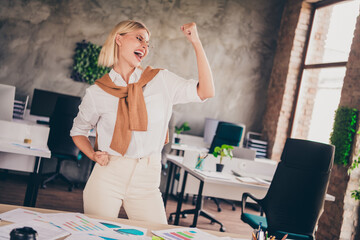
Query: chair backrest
[294,201]
[227,133]
[61,121]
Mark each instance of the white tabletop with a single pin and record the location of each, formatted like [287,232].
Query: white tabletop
[228,183]
[10,146]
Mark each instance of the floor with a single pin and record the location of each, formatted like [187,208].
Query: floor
[56,196]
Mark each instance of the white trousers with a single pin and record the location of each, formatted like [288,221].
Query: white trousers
[132,182]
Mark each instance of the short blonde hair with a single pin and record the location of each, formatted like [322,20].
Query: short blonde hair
[108,54]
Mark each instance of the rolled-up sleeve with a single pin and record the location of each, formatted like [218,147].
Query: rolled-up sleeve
[180,89]
[86,118]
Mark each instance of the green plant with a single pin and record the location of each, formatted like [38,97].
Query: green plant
[355,193]
[343,133]
[85,68]
[184,127]
[223,151]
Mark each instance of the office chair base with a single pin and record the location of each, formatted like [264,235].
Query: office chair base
[62,177]
[201,213]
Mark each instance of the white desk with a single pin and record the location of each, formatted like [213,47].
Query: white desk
[15,155]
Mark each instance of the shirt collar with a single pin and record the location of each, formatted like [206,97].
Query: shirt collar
[119,81]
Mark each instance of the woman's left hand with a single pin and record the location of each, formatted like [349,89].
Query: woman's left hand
[191,33]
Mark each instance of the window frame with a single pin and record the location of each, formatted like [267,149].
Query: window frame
[303,66]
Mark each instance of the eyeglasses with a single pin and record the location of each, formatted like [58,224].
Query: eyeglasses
[140,38]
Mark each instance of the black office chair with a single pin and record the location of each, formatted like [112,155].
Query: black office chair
[230,134]
[294,201]
[60,143]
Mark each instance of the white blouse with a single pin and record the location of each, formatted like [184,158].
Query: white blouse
[99,109]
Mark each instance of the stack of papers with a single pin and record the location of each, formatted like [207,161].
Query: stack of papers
[54,226]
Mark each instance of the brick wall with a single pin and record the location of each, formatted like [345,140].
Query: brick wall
[340,218]
[285,75]
[350,97]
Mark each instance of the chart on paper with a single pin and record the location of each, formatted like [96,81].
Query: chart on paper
[76,223]
[184,234]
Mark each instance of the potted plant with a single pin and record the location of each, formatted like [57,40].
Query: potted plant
[178,130]
[223,151]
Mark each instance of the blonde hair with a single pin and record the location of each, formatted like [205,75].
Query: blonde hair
[108,54]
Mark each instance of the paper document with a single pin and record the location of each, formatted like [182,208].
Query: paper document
[118,230]
[184,234]
[20,215]
[105,236]
[218,175]
[56,225]
[45,230]
[254,180]
[75,223]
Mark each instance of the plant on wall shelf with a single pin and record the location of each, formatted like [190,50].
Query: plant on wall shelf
[343,134]
[85,68]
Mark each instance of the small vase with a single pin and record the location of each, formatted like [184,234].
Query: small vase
[199,163]
[177,140]
[219,167]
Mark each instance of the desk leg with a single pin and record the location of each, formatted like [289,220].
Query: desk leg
[180,199]
[168,182]
[33,185]
[198,204]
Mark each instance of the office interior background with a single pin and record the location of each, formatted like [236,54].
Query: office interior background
[257,50]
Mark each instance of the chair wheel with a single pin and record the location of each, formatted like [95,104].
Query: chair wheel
[222,229]
[70,189]
[43,186]
[184,215]
[233,208]
[170,219]
[219,209]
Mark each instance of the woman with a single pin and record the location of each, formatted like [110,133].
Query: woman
[131,109]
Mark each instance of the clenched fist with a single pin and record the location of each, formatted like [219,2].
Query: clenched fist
[190,32]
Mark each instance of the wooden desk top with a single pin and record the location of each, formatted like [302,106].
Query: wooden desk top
[149,226]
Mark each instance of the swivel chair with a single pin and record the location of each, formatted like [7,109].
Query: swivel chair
[60,143]
[295,199]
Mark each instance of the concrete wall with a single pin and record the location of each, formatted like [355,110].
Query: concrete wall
[38,38]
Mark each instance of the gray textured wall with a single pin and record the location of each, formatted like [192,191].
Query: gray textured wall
[38,38]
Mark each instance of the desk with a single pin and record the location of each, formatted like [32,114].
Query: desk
[213,187]
[15,156]
[149,226]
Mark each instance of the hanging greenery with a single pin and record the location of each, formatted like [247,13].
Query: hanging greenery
[343,133]
[355,164]
[85,68]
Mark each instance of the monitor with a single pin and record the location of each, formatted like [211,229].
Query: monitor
[7,97]
[43,102]
[210,129]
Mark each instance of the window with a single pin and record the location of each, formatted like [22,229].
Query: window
[324,69]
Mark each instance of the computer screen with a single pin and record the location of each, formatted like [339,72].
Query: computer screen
[43,102]
[210,129]
[7,97]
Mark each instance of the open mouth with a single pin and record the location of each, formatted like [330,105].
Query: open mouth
[139,55]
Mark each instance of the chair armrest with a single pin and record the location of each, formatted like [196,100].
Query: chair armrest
[243,200]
